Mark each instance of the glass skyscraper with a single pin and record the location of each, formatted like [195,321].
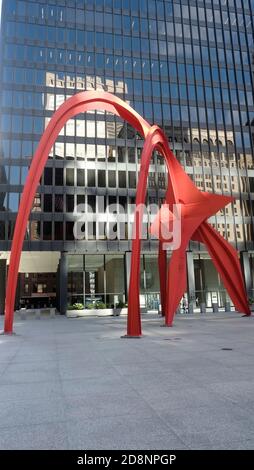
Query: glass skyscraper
[186,65]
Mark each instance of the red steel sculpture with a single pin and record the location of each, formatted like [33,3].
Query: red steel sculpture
[196,208]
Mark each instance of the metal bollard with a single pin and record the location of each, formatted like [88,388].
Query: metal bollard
[191,308]
[38,314]
[178,310]
[215,307]
[22,314]
[52,313]
[227,307]
[203,308]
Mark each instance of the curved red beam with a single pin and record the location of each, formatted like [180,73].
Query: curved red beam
[226,261]
[79,103]
[196,208]
[155,140]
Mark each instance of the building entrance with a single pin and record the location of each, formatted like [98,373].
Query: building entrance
[97,280]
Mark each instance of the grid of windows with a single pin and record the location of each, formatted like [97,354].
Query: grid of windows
[185,65]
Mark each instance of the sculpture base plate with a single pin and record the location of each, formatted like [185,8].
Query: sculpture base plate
[131,337]
[2,333]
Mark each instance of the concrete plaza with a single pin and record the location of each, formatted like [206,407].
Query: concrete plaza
[75,384]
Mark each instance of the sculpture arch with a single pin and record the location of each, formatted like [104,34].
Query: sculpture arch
[79,103]
[154,140]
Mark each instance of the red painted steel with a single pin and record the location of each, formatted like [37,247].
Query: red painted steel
[197,207]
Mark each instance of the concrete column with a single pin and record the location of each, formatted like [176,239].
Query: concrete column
[190,277]
[58,288]
[63,284]
[3,265]
[84,280]
[127,264]
[18,294]
[245,262]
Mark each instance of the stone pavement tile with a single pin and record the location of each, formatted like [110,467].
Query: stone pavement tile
[131,356]
[156,392]
[248,444]
[233,358]
[68,356]
[135,369]
[175,397]
[36,390]
[216,440]
[216,421]
[38,437]
[80,365]
[3,367]
[39,356]
[7,356]
[88,371]
[28,376]
[30,366]
[113,404]
[158,380]
[37,348]
[31,411]
[237,391]
[238,445]
[78,350]
[213,372]
[197,440]
[95,385]
[121,433]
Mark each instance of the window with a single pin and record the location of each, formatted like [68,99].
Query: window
[101,178]
[122,179]
[47,230]
[69,235]
[48,176]
[59,176]
[80,177]
[69,203]
[59,203]
[59,231]
[48,203]
[70,177]
[91,178]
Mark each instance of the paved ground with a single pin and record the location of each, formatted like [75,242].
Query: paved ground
[74,384]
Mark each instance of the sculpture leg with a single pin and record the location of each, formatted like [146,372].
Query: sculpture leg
[227,263]
[78,103]
[134,321]
[134,318]
[176,284]
[163,277]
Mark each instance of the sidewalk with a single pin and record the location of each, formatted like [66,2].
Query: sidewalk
[75,384]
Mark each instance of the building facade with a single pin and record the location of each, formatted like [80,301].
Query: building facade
[186,65]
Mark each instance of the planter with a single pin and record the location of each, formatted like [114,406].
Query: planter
[119,311]
[106,312]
